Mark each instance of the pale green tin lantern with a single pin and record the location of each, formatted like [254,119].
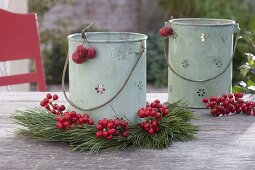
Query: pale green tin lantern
[114,82]
[200,54]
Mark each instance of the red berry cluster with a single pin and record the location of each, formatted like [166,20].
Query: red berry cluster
[47,103]
[166,31]
[67,120]
[81,53]
[107,128]
[152,113]
[231,103]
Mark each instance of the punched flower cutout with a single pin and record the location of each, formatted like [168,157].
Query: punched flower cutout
[100,89]
[139,85]
[185,63]
[218,62]
[170,88]
[201,92]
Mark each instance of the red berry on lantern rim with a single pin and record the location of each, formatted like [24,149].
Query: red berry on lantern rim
[78,59]
[91,54]
[166,31]
[82,51]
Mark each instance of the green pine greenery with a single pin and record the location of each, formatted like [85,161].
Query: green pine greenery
[40,124]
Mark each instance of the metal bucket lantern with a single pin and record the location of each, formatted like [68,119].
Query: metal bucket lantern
[112,84]
[200,54]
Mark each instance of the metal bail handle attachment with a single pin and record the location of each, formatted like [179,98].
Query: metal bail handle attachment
[166,49]
[108,101]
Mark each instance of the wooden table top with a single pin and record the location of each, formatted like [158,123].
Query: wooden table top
[222,143]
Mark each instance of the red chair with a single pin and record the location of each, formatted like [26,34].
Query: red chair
[19,39]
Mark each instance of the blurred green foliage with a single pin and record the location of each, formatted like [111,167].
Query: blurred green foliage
[54,43]
[54,52]
[40,7]
[156,66]
[247,70]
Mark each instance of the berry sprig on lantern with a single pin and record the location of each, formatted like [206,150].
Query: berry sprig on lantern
[166,31]
[107,128]
[152,113]
[48,104]
[229,104]
[82,53]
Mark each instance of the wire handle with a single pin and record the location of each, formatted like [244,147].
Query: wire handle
[108,101]
[236,30]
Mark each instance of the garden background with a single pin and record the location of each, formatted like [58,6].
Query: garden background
[58,18]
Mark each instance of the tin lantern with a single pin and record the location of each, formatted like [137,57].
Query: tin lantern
[112,84]
[200,54]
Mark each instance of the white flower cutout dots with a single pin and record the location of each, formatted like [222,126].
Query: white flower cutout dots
[100,89]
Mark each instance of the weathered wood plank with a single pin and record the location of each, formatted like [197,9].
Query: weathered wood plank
[223,143]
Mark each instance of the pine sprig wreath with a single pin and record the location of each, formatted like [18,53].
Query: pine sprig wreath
[159,126]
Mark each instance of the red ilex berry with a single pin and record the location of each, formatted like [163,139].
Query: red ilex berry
[125,134]
[46,100]
[231,103]
[91,122]
[59,125]
[212,99]
[105,133]
[53,111]
[78,59]
[49,96]
[111,128]
[61,108]
[48,103]
[205,100]
[152,113]
[99,127]
[72,113]
[55,97]
[151,131]
[42,103]
[79,54]
[82,51]
[99,134]
[71,119]
[91,53]
[230,96]
[166,31]
[109,137]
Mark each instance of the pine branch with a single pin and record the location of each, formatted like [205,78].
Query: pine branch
[40,124]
